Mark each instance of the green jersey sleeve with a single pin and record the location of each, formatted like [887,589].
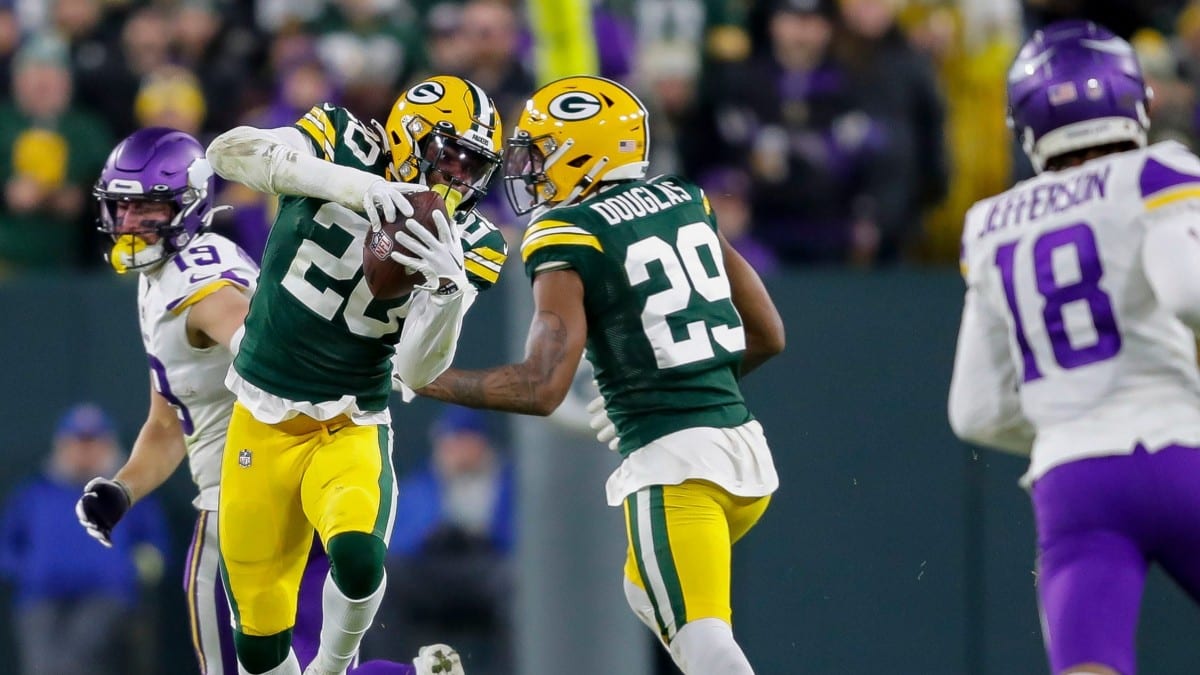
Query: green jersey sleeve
[559,242]
[338,136]
[484,250]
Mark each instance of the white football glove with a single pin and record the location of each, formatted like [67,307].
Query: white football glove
[606,431]
[435,258]
[438,660]
[385,200]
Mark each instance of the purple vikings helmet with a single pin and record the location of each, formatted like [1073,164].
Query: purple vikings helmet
[1076,85]
[159,165]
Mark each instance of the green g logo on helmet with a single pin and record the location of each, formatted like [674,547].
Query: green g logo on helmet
[429,91]
[575,106]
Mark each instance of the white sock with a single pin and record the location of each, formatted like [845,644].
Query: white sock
[707,647]
[343,622]
[290,666]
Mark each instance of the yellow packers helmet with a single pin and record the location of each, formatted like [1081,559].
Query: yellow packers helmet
[574,134]
[445,131]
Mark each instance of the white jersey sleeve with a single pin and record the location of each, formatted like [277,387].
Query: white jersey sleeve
[1171,258]
[192,379]
[1099,363]
[984,406]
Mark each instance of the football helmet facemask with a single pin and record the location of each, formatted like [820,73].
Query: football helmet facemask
[574,134]
[445,131]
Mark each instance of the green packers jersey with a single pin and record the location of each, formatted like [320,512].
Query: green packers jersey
[663,334]
[314,332]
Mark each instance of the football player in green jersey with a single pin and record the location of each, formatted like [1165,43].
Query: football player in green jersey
[671,316]
[309,443]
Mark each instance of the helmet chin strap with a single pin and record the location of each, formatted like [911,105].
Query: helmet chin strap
[587,181]
[208,217]
[390,173]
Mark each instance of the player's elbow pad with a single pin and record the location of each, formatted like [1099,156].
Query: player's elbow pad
[1185,305]
[243,155]
[970,423]
[418,376]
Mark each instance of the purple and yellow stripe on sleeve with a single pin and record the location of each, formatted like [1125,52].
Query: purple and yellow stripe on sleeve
[226,278]
[1161,185]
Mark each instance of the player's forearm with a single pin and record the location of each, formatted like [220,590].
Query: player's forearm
[510,388]
[990,420]
[761,322]
[756,354]
[156,454]
[264,160]
[430,337]
[984,406]
[1171,257]
[535,386]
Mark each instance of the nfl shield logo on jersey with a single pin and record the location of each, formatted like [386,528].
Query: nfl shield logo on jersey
[244,458]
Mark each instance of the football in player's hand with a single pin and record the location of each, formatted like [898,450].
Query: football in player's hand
[386,278]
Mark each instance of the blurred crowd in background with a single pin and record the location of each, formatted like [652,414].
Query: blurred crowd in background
[825,132]
[76,602]
[851,132]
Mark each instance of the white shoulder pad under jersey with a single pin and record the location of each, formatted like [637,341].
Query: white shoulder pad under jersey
[192,380]
[1102,366]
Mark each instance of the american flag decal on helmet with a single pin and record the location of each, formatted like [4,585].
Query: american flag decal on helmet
[1063,92]
[380,244]
[627,146]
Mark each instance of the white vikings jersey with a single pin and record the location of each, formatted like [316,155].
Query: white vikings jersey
[192,380]
[1064,339]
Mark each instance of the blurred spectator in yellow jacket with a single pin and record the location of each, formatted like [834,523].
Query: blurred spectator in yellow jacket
[50,153]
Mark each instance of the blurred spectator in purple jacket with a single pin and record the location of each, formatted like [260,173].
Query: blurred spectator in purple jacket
[728,192]
[790,117]
[303,83]
[897,88]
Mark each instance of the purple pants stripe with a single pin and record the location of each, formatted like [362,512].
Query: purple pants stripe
[208,610]
[1101,523]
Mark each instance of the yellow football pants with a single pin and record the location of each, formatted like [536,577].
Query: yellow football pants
[278,483]
[680,548]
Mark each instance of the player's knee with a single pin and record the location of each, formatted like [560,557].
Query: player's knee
[707,646]
[260,653]
[639,602]
[356,563]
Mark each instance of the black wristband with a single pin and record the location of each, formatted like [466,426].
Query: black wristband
[125,489]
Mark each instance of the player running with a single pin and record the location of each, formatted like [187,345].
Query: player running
[1077,341]
[671,317]
[155,197]
[309,443]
